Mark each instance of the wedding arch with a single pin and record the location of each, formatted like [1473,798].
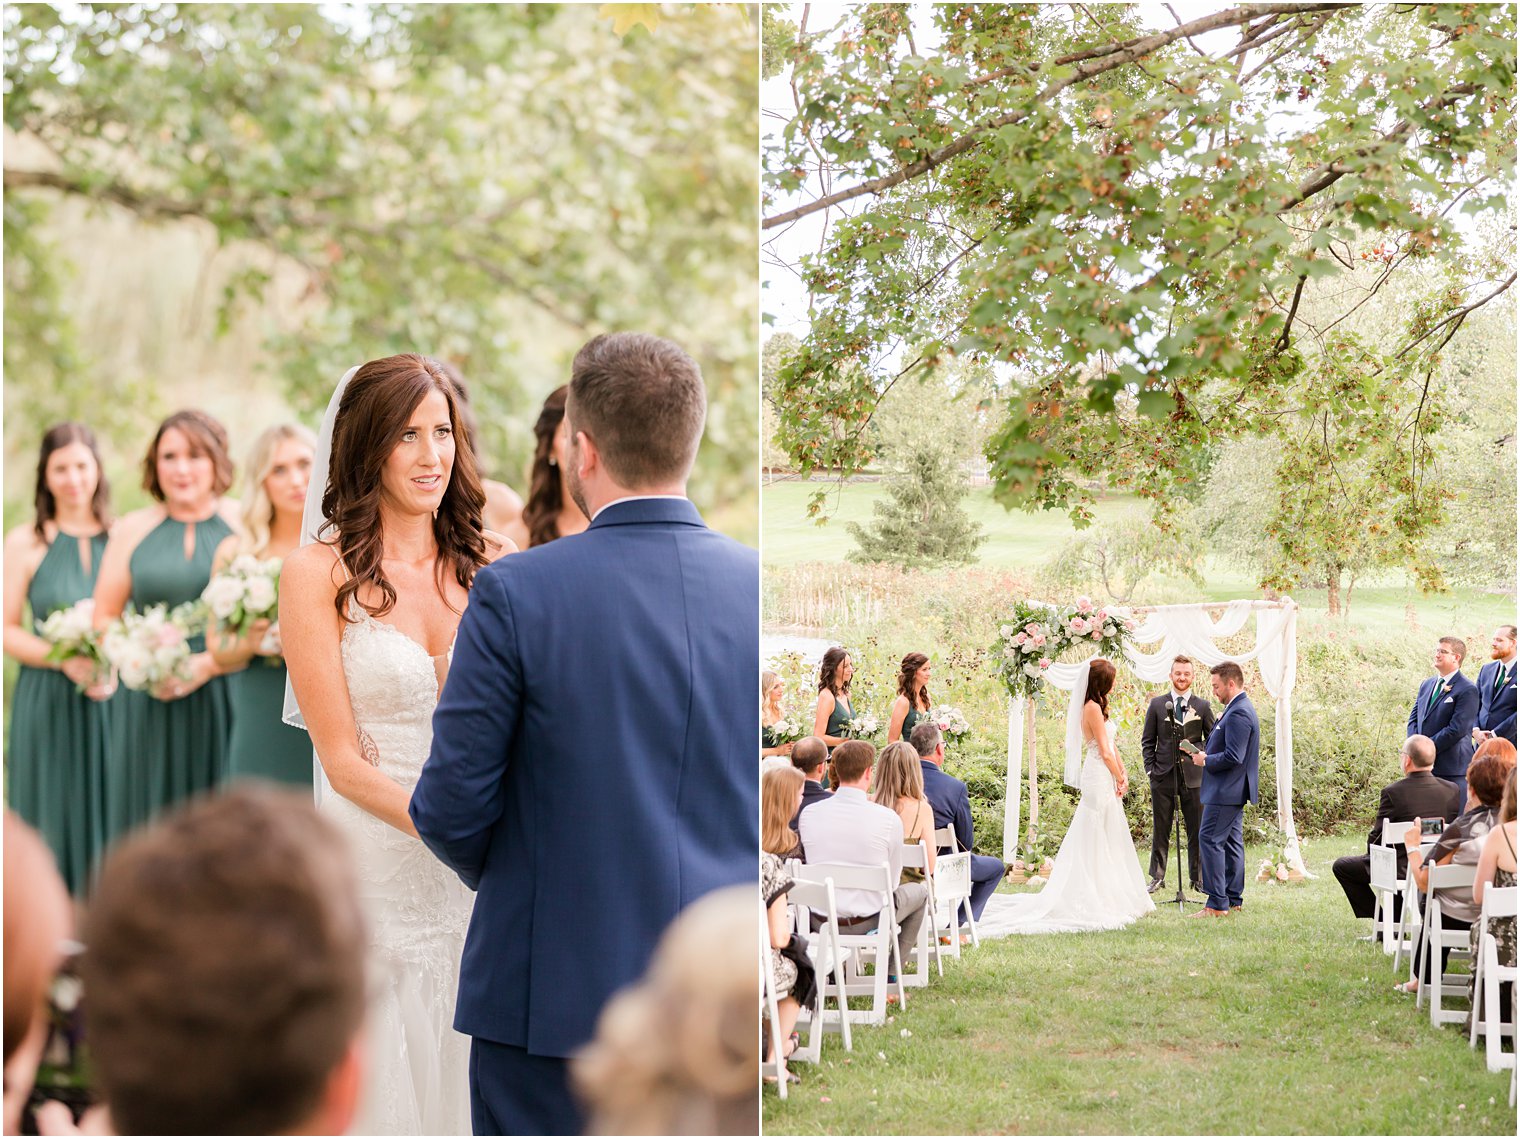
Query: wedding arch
[1191,630]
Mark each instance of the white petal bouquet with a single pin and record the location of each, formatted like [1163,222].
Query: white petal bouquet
[153,646]
[248,590]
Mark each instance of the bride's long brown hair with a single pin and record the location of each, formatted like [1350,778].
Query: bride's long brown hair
[372,416]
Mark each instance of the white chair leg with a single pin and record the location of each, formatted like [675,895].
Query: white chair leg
[1478,1009]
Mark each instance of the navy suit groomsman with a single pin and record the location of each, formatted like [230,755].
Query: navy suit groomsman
[1446,709]
[951,803]
[1496,689]
[1229,760]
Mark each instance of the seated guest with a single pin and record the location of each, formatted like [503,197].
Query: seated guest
[1461,843]
[849,829]
[791,973]
[1496,689]
[809,757]
[952,808]
[1496,866]
[225,971]
[676,1053]
[37,919]
[900,787]
[1418,795]
[1445,710]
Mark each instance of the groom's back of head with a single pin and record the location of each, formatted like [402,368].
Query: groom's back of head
[642,399]
[225,971]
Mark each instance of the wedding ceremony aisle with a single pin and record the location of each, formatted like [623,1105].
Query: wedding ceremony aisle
[1274,1021]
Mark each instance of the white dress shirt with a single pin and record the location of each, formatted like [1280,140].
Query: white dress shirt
[849,829]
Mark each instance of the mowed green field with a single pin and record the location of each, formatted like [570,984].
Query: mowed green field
[1017,540]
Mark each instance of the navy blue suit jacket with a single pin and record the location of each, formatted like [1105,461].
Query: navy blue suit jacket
[1496,713]
[593,767]
[950,800]
[1233,749]
[1449,724]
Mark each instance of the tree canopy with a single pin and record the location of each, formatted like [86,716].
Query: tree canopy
[1158,237]
[489,184]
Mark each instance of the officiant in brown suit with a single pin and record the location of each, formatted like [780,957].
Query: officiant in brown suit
[1171,717]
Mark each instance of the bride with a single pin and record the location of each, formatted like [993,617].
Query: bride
[1096,883]
[392,539]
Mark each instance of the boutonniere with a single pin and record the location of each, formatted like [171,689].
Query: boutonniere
[1446,687]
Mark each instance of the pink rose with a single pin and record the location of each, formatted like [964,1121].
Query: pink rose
[1084,605]
[1097,633]
[1039,640]
[1031,628]
[1046,662]
[170,635]
[1020,638]
[1102,614]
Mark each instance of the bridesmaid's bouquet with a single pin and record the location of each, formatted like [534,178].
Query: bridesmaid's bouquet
[246,591]
[70,632]
[862,727]
[952,724]
[785,731]
[153,646]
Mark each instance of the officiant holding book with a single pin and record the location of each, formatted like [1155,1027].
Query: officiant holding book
[1173,716]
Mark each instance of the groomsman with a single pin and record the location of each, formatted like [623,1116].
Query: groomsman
[1496,689]
[1445,710]
[1169,719]
[1229,763]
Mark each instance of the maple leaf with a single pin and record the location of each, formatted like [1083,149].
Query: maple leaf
[626,17]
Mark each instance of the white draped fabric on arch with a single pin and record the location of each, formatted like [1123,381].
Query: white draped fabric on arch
[1190,630]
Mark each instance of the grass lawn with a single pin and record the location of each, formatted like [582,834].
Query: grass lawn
[1275,1021]
[1019,540]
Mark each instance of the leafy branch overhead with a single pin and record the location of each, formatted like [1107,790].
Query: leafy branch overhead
[1160,238]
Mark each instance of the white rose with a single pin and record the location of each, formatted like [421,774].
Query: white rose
[222,595]
[260,595]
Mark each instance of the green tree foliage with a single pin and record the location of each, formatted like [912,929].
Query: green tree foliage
[1129,223]
[1119,557]
[491,184]
[921,523]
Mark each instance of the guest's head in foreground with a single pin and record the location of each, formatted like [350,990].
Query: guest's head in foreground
[277,473]
[852,763]
[1100,682]
[188,467]
[37,919]
[636,408]
[928,741]
[1227,680]
[780,799]
[225,971]
[676,1054]
[898,775]
[1499,748]
[70,480]
[1486,777]
[809,755]
[835,671]
[1449,654]
[1418,754]
[913,676]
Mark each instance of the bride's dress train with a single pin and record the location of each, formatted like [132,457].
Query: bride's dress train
[1096,882]
[417,1066]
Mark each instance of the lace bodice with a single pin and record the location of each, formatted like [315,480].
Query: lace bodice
[417,908]
[1096,778]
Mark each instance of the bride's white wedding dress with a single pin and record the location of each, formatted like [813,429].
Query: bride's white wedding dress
[417,1073]
[1096,882]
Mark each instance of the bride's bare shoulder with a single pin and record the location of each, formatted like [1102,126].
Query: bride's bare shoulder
[310,566]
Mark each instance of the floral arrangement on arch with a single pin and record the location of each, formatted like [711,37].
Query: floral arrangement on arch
[1034,635]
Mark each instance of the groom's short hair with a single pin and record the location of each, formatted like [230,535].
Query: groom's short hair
[1230,671]
[642,400]
[225,967]
[1420,751]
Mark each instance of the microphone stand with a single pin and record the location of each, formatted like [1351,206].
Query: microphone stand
[1182,757]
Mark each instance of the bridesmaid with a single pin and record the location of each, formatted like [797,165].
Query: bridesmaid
[912,703]
[771,690]
[56,759]
[171,743]
[833,710]
[550,512]
[262,745]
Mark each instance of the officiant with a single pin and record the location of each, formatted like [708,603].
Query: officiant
[1170,718]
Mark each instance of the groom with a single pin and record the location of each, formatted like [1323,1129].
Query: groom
[1229,782]
[592,769]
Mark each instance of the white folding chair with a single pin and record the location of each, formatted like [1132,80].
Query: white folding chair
[1435,938]
[775,1067]
[877,946]
[916,856]
[1410,930]
[1488,977]
[1385,881]
[944,839]
[828,957]
[952,887]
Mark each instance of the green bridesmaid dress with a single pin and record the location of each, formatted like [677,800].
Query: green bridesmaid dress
[911,721]
[56,758]
[263,746]
[839,717]
[165,751]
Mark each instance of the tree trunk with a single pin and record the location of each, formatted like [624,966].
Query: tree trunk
[1333,586]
